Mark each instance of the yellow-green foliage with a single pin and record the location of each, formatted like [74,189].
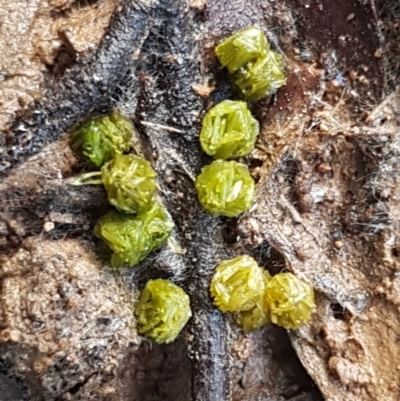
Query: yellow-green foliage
[163,310]
[290,300]
[101,139]
[255,70]
[229,130]
[242,48]
[225,188]
[237,284]
[131,237]
[258,316]
[157,224]
[130,182]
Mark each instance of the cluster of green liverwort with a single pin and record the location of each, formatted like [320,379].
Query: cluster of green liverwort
[140,224]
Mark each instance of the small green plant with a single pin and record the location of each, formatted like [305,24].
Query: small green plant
[290,300]
[242,48]
[141,224]
[255,70]
[253,318]
[157,224]
[163,311]
[130,182]
[101,139]
[132,237]
[225,188]
[258,316]
[229,130]
[237,284]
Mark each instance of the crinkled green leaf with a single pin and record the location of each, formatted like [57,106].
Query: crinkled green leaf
[237,284]
[130,182]
[101,139]
[126,236]
[241,48]
[163,310]
[225,188]
[290,300]
[229,130]
[258,316]
[132,237]
[260,78]
[255,70]
[157,224]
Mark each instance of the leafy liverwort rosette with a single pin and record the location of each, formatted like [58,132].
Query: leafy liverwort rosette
[290,300]
[101,139]
[132,237]
[237,284]
[163,311]
[125,235]
[225,188]
[255,70]
[260,78]
[130,183]
[229,130]
[157,223]
[241,48]
[258,316]
[240,286]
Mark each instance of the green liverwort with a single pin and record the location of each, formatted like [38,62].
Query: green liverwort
[241,48]
[290,300]
[101,139]
[125,235]
[260,78]
[132,237]
[130,182]
[255,70]
[229,130]
[258,316]
[252,319]
[157,224]
[237,284]
[163,311]
[225,188]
